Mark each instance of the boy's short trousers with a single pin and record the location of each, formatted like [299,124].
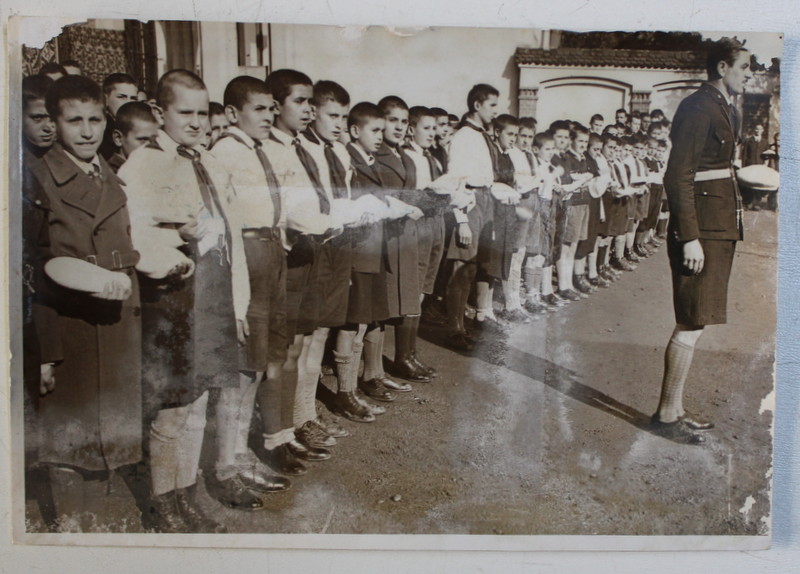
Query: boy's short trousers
[479,217]
[302,299]
[701,299]
[656,195]
[430,241]
[576,227]
[367,299]
[586,246]
[642,206]
[266,315]
[334,262]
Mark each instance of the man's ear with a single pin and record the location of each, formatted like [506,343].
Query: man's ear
[232,115]
[158,113]
[116,136]
[354,131]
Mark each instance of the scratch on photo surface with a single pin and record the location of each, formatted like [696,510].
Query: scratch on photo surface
[328,520]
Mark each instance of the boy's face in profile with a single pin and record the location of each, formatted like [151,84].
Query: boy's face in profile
[507,137]
[219,125]
[295,112]
[331,120]
[80,126]
[561,139]
[546,151]
[394,131]
[37,127]
[121,94]
[256,116]
[186,117]
[370,135]
[487,109]
[424,132]
[580,143]
[525,139]
[596,148]
[141,133]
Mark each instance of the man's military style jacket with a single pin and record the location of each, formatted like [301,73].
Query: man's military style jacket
[700,182]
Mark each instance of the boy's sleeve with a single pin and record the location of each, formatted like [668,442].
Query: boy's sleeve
[240,277]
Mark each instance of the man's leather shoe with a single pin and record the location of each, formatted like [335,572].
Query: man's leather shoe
[308,453]
[330,427]
[598,281]
[371,407]
[312,435]
[406,369]
[459,342]
[675,431]
[393,385]
[256,476]
[350,408]
[428,370]
[518,316]
[281,459]
[166,517]
[631,256]
[553,301]
[232,493]
[569,295]
[622,264]
[375,390]
[582,285]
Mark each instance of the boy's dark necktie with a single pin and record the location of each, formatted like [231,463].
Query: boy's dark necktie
[434,165]
[338,183]
[207,189]
[311,169]
[272,183]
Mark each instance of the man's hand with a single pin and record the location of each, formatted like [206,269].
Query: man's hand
[117,288]
[693,256]
[47,380]
[464,235]
[416,213]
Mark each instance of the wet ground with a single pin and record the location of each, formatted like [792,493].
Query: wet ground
[545,432]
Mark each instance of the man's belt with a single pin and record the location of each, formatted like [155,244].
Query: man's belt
[115,260]
[582,197]
[263,233]
[713,174]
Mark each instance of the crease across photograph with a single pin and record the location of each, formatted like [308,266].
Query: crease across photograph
[512,286]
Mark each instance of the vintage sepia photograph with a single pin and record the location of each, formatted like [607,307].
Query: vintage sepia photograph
[290,279]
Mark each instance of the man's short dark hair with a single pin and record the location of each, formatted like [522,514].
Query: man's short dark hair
[479,94]
[388,103]
[165,91]
[361,113]
[594,138]
[416,113]
[78,88]
[215,109]
[35,88]
[528,123]
[238,91]
[439,112]
[72,64]
[723,50]
[542,138]
[280,83]
[112,80]
[329,91]
[130,112]
[576,130]
[558,125]
[597,117]
[452,118]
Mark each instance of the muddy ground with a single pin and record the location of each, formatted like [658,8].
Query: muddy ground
[545,432]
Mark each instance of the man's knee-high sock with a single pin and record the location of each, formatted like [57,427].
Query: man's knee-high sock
[248,387]
[190,443]
[677,360]
[402,339]
[226,417]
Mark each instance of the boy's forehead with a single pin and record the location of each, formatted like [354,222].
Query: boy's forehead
[81,106]
[255,98]
[331,106]
[301,90]
[183,96]
[124,87]
[36,105]
[397,112]
[375,122]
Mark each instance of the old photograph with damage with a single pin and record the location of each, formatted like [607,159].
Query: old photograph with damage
[296,279]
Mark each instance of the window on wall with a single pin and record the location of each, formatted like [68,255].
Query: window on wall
[253,43]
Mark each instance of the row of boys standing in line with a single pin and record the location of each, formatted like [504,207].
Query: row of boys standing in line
[367,255]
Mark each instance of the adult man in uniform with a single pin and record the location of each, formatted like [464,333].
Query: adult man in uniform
[705,223]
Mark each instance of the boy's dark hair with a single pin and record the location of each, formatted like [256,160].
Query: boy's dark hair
[558,125]
[576,130]
[528,123]
[363,112]
[389,103]
[78,88]
[607,129]
[723,50]
[280,83]
[452,118]
[657,112]
[628,140]
[72,64]
[635,114]
[609,138]
[653,127]
[35,88]
[439,112]
[416,113]
[645,115]
[130,112]
[479,94]
[594,138]
[215,109]
[238,91]
[542,138]
[622,111]
[597,117]
[502,121]
[329,91]
[52,68]
[112,80]
[165,93]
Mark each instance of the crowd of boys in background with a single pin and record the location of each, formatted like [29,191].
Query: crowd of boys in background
[179,252]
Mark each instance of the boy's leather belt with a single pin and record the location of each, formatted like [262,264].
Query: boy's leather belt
[114,260]
[713,174]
